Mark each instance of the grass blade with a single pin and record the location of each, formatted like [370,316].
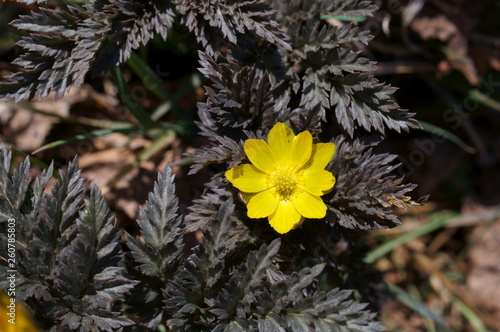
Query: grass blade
[36,161]
[159,143]
[148,77]
[387,247]
[415,304]
[482,98]
[343,18]
[470,315]
[92,134]
[134,107]
[194,81]
[187,161]
[98,123]
[435,130]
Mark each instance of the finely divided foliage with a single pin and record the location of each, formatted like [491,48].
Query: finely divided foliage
[215,21]
[155,256]
[237,101]
[130,24]
[68,250]
[329,73]
[215,293]
[63,45]
[72,275]
[365,189]
[48,64]
[300,9]
[266,62]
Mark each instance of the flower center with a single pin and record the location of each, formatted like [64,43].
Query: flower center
[284,180]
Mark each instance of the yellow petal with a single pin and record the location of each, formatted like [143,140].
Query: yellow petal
[247,178]
[301,148]
[322,154]
[260,154]
[285,217]
[309,206]
[318,182]
[280,141]
[263,204]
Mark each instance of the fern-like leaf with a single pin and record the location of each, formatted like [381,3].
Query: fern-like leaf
[365,190]
[213,21]
[223,150]
[360,100]
[62,46]
[89,274]
[47,65]
[132,24]
[157,252]
[332,311]
[68,255]
[236,100]
[238,103]
[192,291]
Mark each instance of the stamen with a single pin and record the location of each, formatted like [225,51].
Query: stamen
[285,181]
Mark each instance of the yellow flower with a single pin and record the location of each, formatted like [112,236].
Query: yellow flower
[15,317]
[286,179]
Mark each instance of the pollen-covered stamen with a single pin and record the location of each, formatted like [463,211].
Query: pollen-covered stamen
[285,181]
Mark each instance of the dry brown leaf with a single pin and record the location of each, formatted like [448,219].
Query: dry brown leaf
[483,281]
[441,28]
